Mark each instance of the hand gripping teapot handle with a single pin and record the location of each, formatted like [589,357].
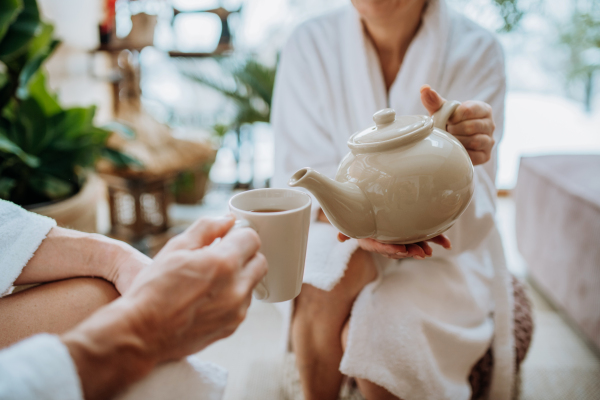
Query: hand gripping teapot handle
[441,116]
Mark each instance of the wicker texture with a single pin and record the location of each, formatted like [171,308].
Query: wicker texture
[523,329]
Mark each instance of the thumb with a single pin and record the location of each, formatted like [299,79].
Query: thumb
[341,237]
[201,233]
[431,99]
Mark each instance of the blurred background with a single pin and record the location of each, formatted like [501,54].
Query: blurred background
[163,106]
[551,49]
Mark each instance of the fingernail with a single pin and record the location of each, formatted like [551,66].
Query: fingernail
[424,87]
[419,258]
[400,253]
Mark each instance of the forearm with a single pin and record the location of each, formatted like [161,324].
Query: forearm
[66,253]
[108,352]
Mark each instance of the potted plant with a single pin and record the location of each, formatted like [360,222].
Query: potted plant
[47,153]
[248,85]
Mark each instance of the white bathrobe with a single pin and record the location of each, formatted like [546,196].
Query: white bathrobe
[41,367]
[422,325]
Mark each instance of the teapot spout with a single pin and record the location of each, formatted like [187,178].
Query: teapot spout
[344,204]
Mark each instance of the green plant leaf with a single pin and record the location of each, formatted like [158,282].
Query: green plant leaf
[40,48]
[6,92]
[120,160]
[38,91]
[6,185]
[9,9]
[70,124]
[511,14]
[42,39]
[121,128]
[249,88]
[7,146]
[216,85]
[51,186]
[21,31]
[32,66]
[220,129]
[33,120]
[259,78]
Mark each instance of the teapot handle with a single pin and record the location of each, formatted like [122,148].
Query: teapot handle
[441,116]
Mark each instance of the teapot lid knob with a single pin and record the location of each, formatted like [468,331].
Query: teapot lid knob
[384,117]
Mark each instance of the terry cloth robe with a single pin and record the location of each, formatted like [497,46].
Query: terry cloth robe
[41,367]
[422,325]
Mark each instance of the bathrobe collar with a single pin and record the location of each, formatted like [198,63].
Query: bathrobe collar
[423,63]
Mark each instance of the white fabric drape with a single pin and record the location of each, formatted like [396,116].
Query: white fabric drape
[435,318]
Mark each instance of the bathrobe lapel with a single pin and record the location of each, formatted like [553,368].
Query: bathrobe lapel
[424,61]
[362,74]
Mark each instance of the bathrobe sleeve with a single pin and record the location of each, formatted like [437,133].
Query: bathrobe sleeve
[303,139]
[21,233]
[476,72]
[39,367]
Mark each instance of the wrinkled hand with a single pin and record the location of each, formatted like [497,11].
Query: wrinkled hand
[471,124]
[125,266]
[189,297]
[193,295]
[419,251]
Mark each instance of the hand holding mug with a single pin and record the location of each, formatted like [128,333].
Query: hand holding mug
[281,217]
[190,296]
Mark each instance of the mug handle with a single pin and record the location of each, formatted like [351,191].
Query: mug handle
[441,116]
[260,292]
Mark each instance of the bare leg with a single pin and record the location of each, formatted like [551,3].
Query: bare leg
[53,307]
[317,325]
[367,388]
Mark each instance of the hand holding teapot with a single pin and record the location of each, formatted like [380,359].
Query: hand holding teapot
[471,124]
[406,180]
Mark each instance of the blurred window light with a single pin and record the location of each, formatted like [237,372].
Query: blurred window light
[199,5]
[195,5]
[539,124]
[197,32]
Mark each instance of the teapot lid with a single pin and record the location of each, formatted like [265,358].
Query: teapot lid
[391,131]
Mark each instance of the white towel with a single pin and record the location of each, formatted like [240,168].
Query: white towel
[329,84]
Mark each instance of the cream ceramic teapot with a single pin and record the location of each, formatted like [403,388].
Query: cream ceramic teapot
[405,179]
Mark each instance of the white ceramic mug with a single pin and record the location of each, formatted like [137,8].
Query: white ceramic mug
[283,237]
